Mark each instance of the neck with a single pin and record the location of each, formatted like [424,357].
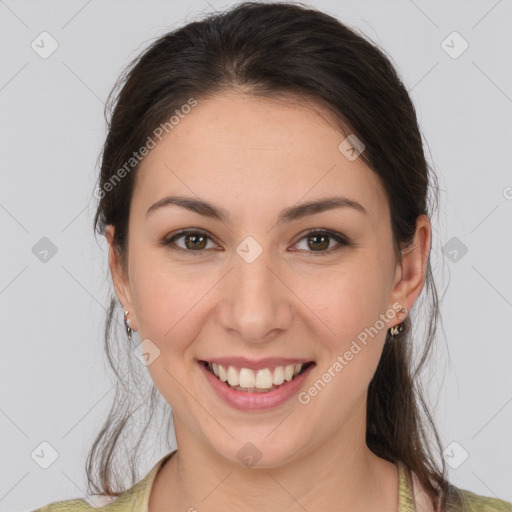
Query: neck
[349,478]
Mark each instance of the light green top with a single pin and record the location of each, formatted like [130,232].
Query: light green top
[136,498]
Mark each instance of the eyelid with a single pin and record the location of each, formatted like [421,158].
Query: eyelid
[343,240]
[169,240]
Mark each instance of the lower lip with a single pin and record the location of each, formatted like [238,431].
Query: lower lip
[255,401]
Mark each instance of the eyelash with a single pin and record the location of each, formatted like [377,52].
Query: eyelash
[342,240]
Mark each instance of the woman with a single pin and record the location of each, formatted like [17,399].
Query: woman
[264,194]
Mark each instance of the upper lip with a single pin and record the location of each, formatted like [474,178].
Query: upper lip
[266,362]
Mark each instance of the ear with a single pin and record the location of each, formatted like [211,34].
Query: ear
[411,272]
[119,278]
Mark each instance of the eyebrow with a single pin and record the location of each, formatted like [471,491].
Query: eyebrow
[287,215]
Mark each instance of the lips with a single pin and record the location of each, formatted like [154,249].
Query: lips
[251,398]
[267,362]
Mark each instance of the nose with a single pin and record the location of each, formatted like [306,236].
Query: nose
[256,303]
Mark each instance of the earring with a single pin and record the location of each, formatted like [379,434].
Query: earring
[396,329]
[129,330]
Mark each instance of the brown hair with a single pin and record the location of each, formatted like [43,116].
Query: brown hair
[270,50]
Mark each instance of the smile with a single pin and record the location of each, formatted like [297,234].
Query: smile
[262,380]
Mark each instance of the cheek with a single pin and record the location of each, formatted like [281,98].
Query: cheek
[339,300]
[170,316]
[351,298]
[165,308]
[158,295]
[170,300]
[351,304]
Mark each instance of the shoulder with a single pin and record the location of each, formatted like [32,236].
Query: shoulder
[458,500]
[75,505]
[134,498]
[128,500]
[476,503]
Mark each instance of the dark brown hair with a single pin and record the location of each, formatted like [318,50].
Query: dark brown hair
[278,50]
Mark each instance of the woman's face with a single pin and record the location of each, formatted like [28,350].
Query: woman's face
[260,287]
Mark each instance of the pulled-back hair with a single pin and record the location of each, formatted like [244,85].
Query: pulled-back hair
[274,50]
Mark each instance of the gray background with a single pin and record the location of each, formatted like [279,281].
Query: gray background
[53,383]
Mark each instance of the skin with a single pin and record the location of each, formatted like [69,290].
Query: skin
[255,157]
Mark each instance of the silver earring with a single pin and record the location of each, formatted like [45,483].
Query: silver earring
[396,329]
[129,330]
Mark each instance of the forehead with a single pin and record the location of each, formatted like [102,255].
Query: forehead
[250,153]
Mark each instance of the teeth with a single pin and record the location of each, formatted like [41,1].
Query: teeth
[278,375]
[262,379]
[222,374]
[232,376]
[288,372]
[246,378]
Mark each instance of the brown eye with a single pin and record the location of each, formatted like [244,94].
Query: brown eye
[193,241]
[318,242]
[196,241]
